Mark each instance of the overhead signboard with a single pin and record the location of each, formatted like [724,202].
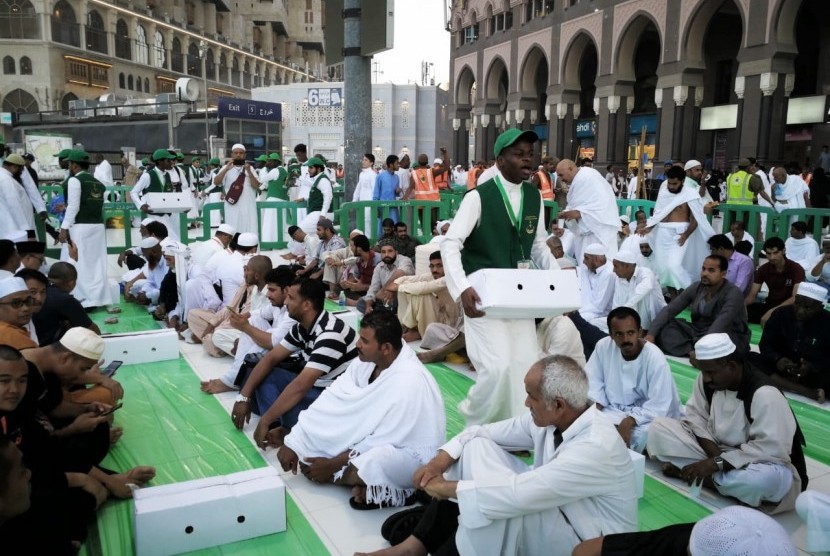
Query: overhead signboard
[719,117]
[243,109]
[377,18]
[806,110]
[586,128]
[325,96]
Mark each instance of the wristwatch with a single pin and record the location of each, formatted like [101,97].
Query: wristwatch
[241,399]
[719,462]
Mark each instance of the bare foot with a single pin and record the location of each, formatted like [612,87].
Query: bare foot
[115,434]
[820,397]
[359,494]
[410,547]
[214,386]
[411,335]
[276,436]
[431,356]
[119,485]
[672,471]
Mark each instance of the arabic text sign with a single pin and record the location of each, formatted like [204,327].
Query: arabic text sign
[243,109]
[325,97]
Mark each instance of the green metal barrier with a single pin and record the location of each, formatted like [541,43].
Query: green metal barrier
[452,201]
[750,215]
[554,210]
[338,191]
[817,216]
[416,214]
[286,216]
[623,205]
[207,210]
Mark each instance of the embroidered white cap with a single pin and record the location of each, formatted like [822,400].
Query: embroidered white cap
[239,146]
[84,342]
[813,291]
[247,239]
[738,530]
[12,285]
[692,164]
[714,346]
[226,229]
[149,242]
[595,249]
[626,256]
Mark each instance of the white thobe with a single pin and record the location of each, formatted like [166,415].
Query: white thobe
[502,350]
[92,288]
[582,489]
[404,174]
[36,205]
[309,222]
[151,284]
[103,173]
[170,221]
[202,251]
[596,291]
[803,251]
[642,388]
[242,215]
[229,270]
[599,220]
[487,174]
[641,293]
[14,208]
[303,185]
[758,450]
[363,192]
[763,202]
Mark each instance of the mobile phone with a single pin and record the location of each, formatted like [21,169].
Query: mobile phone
[110,369]
[111,410]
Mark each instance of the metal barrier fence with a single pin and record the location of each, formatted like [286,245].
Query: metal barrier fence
[419,216]
[284,215]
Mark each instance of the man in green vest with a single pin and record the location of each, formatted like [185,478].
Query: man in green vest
[275,185]
[319,197]
[83,226]
[500,224]
[163,177]
[742,187]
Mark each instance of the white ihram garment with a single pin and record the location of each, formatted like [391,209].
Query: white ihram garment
[599,220]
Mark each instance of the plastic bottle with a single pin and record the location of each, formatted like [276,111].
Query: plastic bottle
[341,300]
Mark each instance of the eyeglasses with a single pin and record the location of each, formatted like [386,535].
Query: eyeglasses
[18,303]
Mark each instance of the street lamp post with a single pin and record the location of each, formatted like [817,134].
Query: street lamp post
[203,49]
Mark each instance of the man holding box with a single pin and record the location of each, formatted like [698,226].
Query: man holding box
[498,225]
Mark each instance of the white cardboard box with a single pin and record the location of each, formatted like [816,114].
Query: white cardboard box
[142,347]
[181,517]
[350,317]
[508,293]
[169,202]
[639,461]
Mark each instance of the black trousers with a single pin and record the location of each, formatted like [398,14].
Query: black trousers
[437,528]
[589,333]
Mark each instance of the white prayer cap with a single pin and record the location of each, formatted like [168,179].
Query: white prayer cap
[226,229]
[239,146]
[174,248]
[84,342]
[813,291]
[17,236]
[147,221]
[738,530]
[247,239]
[626,256]
[812,509]
[438,161]
[595,249]
[12,285]
[644,239]
[714,346]
[149,242]
[625,218]
[356,232]
[692,164]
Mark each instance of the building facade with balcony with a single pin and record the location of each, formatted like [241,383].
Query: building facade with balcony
[727,78]
[57,51]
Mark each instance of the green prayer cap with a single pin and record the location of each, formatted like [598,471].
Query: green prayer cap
[512,135]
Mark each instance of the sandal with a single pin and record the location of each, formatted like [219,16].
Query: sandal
[391,523]
[374,506]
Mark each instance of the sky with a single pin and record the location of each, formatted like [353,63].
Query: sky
[419,36]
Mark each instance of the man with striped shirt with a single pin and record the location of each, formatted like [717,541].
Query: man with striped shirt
[325,345]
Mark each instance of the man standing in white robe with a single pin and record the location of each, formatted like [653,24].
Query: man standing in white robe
[630,379]
[580,485]
[240,204]
[742,452]
[789,192]
[681,232]
[13,214]
[365,188]
[380,421]
[592,213]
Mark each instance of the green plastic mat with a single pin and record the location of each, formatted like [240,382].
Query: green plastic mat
[754,329]
[814,421]
[660,506]
[185,434]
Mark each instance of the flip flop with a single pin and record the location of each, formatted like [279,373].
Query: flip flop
[391,523]
[405,526]
[374,506]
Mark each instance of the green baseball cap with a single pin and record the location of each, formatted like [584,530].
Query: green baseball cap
[214,161]
[512,135]
[163,154]
[275,156]
[145,161]
[63,154]
[315,161]
[261,158]
[195,159]
[78,156]
[179,156]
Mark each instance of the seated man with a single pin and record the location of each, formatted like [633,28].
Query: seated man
[596,280]
[15,314]
[375,426]
[818,271]
[326,346]
[60,310]
[155,229]
[37,282]
[635,287]
[735,528]
[306,245]
[214,329]
[800,248]
[795,345]
[565,235]
[558,252]
[716,306]
[144,288]
[739,435]
[383,278]
[261,330]
[406,243]
[630,380]
[357,280]
[132,256]
[782,277]
[338,263]
[202,251]
[212,286]
[738,233]
[581,483]
[741,268]
[329,241]
[424,299]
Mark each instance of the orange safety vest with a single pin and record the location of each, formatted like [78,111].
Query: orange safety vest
[425,189]
[441,181]
[472,177]
[544,185]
